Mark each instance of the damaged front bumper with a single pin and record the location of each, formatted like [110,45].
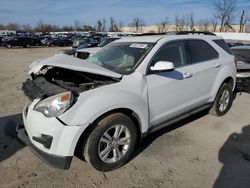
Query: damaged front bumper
[50,139]
[53,160]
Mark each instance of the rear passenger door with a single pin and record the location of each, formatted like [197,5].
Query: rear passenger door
[205,67]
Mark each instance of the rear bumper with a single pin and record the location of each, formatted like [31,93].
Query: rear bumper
[59,162]
[243,84]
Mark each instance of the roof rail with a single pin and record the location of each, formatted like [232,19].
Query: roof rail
[195,32]
[177,33]
[148,34]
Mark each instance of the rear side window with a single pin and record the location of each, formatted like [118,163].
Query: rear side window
[223,45]
[199,51]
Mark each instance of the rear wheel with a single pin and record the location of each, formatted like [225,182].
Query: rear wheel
[111,143]
[223,101]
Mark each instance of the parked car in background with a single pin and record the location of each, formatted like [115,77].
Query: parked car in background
[242,54]
[46,40]
[232,44]
[84,53]
[59,42]
[102,106]
[25,42]
[86,45]
[87,42]
[1,40]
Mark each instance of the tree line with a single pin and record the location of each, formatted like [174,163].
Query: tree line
[222,20]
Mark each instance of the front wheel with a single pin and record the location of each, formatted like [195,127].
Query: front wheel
[111,143]
[223,101]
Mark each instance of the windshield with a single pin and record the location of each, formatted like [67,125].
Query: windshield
[121,57]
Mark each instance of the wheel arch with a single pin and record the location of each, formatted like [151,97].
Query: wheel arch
[130,113]
[224,76]
[230,81]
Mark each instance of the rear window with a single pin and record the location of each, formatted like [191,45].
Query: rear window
[223,45]
[242,55]
[199,51]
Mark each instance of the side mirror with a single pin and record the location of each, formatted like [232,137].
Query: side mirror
[162,66]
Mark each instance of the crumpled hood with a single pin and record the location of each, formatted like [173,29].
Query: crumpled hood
[72,63]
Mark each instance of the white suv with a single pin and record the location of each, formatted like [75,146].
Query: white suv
[130,88]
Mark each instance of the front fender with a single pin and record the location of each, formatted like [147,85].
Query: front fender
[94,103]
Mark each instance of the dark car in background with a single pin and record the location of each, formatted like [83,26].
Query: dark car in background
[25,42]
[242,54]
[88,44]
[86,52]
[1,40]
[59,42]
[92,41]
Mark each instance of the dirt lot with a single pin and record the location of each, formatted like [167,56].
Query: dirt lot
[203,151]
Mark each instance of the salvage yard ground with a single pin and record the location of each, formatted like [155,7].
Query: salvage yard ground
[203,151]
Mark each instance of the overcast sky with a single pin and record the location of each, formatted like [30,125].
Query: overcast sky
[62,12]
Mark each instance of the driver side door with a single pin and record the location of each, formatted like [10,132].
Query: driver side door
[170,93]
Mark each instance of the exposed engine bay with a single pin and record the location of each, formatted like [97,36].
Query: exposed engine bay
[54,80]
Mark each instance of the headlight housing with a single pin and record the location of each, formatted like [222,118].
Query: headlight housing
[56,105]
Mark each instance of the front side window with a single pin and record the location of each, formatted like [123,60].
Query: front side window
[199,51]
[173,52]
[121,57]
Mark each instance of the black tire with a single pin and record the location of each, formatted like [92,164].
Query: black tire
[91,152]
[216,110]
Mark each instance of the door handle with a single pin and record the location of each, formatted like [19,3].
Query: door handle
[216,65]
[187,75]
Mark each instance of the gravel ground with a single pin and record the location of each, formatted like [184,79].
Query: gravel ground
[203,151]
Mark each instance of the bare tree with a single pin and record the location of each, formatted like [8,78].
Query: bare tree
[113,26]
[99,25]
[191,18]
[88,28]
[40,27]
[224,11]
[204,25]
[120,25]
[179,23]
[243,21]
[12,26]
[67,28]
[104,24]
[138,24]
[2,27]
[214,24]
[164,25]
[77,25]
[27,28]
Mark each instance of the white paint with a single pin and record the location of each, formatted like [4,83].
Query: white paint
[235,36]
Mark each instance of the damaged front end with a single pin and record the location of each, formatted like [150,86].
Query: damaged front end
[63,73]
[58,80]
